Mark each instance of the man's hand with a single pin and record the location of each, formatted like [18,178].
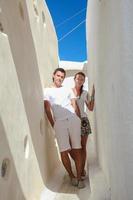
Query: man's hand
[93,90]
[48,111]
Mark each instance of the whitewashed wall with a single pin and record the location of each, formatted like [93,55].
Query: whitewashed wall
[110,54]
[26,142]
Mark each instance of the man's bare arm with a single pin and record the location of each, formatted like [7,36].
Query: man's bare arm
[48,111]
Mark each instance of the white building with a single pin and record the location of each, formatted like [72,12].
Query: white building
[30,166]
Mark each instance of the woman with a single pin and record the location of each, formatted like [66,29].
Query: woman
[83,100]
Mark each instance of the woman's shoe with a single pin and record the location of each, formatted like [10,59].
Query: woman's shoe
[74,181]
[81,184]
[84,176]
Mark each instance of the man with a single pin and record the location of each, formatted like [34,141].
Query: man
[61,109]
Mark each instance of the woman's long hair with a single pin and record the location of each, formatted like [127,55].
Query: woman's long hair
[82,74]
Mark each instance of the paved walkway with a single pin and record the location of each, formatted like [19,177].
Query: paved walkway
[69,192]
[96,188]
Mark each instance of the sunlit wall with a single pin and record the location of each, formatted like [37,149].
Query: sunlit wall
[110,47]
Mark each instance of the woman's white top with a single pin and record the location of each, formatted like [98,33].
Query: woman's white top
[85,97]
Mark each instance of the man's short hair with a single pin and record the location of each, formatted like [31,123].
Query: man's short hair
[60,70]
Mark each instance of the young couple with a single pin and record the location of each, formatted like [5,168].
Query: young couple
[65,109]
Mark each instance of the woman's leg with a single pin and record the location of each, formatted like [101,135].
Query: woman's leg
[83,152]
[71,151]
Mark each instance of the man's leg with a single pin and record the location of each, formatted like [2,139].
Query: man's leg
[67,163]
[62,137]
[78,162]
[75,142]
[76,155]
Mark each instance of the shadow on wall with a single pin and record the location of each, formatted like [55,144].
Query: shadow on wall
[50,145]
[10,186]
[92,147]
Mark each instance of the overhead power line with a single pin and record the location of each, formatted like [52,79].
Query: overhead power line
[68,19]
[68,33]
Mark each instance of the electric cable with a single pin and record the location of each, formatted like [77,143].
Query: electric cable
[68,33]
[68,19]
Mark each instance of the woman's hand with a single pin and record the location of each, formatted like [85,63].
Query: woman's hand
[93,90]
[90,104]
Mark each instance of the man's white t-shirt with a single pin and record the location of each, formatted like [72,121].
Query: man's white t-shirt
[60,100]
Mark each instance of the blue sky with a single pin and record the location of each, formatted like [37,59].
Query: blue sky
[73,46]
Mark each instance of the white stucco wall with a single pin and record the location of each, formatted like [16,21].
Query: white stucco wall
[14,130]
[25,67]
[44,37]
[72,67]
[110,47]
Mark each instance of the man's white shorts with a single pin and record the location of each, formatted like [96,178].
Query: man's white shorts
[67,130]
